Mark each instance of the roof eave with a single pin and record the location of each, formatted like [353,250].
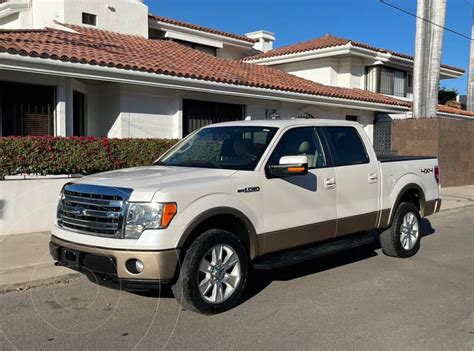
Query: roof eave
[346,49]
[214,36]
[110,74]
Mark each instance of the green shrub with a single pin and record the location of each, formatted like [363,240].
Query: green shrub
[76,155]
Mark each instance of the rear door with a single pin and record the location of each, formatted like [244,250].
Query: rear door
[300,209]
[357,179]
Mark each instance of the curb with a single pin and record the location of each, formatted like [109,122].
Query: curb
[22,286]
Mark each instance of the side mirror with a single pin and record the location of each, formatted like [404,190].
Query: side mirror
[289,166]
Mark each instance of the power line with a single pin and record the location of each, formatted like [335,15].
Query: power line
[424,19]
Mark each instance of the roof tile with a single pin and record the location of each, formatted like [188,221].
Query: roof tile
[164,57]
[327,41]
[201,28]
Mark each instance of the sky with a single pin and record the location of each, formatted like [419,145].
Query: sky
[292,21]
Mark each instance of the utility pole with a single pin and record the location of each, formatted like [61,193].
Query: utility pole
[470,81]
[428,48]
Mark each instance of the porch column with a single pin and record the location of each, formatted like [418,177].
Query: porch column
[64,108]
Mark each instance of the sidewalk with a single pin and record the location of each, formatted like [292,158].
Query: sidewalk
[25,261]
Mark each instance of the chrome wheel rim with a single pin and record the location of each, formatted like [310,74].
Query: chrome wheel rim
[409,231]
[219,274]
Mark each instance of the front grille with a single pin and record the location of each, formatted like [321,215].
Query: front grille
[92,209]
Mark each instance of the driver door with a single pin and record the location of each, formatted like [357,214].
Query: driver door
[300,209]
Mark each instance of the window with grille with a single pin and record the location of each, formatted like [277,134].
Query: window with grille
[386,80]
[89,18]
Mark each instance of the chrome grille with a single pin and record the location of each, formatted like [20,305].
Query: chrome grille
[92,209]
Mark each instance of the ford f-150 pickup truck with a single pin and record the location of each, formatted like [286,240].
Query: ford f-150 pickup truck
[237,196]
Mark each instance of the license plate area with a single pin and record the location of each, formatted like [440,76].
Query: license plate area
[70,258]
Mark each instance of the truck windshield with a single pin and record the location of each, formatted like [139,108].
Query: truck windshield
[238,148]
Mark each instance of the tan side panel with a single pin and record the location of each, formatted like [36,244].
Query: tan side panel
[294,237]
[354,224]
[384,218]
[430,207]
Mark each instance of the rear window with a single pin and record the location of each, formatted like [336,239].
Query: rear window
[347,146]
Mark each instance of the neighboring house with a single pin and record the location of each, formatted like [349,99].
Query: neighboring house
[111,69]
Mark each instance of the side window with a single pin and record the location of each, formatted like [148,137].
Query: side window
[300,141]
[347,146]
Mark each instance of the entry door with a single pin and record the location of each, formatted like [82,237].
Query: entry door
[357,180]
[300,209]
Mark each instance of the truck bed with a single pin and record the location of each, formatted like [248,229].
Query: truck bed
[403,158]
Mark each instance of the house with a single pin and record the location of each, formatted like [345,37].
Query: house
[78,68]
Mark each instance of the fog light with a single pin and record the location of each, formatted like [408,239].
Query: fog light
[139,266]
[135,266]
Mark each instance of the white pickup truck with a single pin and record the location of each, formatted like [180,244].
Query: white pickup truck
[240,195]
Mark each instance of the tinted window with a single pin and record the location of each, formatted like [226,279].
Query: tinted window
[347,146]
[300,141]
[237,148]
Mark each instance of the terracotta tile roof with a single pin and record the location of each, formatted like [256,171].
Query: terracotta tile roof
[328,41]
[164,57]
[453,110]
[201,28]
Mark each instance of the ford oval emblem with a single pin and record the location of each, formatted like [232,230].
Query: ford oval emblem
[78,211]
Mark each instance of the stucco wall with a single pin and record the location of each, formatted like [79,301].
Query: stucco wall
[28,205]
[449,139]
[123,16]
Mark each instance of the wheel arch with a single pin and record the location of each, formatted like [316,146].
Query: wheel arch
[225,218]
[412,193]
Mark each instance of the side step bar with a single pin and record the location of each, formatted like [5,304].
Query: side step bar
[277,260]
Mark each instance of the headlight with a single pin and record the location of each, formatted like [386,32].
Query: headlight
[141,216]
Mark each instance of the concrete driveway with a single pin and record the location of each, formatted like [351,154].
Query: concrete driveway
[356,300]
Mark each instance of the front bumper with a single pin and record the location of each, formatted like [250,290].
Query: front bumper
[159,266]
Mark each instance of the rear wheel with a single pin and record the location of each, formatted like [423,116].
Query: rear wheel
[402,239]
[213,273]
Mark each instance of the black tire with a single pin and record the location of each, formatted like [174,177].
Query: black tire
[186,289]
[390,237]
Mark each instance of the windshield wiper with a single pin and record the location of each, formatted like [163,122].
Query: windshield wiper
[206,164]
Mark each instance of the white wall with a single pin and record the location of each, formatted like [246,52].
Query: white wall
[123,16]
[233,52]
[28,205]
[320,71]
[348,72]
[149,113]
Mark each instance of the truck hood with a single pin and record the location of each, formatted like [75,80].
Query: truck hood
[145,181]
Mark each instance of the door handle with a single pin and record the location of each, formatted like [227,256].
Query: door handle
[329,183]
[373,178]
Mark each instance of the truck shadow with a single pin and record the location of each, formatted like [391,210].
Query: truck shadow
[259,280]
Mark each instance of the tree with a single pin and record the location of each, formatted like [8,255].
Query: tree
[445,95]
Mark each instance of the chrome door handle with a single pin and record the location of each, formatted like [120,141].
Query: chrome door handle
[373,178]
[329,183]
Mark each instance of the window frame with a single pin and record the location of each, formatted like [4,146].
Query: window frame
[378,79]
[331,146]
[89,15]
[317,132]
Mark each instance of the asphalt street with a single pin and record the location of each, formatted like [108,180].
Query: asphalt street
[360,300]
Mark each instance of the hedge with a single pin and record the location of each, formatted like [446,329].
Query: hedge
[76,155]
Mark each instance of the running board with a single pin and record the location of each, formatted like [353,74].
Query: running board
[287,258]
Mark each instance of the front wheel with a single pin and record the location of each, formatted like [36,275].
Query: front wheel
[213,274]
[402,239]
